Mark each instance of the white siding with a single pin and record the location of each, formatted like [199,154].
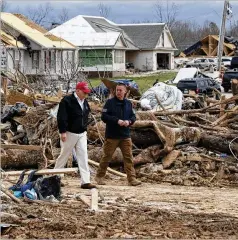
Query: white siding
[119,43]
[167,42]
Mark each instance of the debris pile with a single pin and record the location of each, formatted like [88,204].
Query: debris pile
[185,146]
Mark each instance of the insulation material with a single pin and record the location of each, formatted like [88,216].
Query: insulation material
[169,96]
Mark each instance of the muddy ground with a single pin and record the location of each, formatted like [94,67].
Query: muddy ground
[149,211]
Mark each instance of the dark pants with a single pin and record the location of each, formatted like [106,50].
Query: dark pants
[109,148]
[234,88]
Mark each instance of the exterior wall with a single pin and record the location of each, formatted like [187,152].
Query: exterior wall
[167,42]
[120,43]
[147,60]
[96,60]
[171,58]
[142,60]
[11,60]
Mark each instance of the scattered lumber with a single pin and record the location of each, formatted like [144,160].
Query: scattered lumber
[22,147]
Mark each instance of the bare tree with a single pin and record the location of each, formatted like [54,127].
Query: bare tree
[166,13]
[4,6]
[39,14]
[104,10]
[63,15]
[139,21]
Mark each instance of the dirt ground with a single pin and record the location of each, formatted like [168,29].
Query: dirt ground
[160,211]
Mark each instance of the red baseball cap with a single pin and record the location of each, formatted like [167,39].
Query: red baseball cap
[83,86]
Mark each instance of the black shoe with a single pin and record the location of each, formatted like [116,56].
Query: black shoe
[88,186]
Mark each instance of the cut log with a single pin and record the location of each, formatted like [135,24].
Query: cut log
[217,143]
[21,159]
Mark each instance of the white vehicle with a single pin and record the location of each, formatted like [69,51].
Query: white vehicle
[202,63]
[226,61]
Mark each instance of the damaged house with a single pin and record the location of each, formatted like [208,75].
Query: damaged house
[32,50]
[208,47]
[104,46]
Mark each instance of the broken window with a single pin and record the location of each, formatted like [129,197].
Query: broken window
[119,56]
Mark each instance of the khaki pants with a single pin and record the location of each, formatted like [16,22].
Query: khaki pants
[109,148]
[79,143]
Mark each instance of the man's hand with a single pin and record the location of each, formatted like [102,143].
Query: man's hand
[121,123]
[126,123]
[63,137]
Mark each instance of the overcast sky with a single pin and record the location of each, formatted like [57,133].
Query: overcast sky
[130,11]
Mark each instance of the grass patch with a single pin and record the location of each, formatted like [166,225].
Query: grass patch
[144,82]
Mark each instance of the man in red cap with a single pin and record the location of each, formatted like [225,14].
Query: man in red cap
[72,121]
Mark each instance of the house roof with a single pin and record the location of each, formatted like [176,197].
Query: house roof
[9,40]
[93,31]
[87,31]
[34,32]
[144,36]
[100,23]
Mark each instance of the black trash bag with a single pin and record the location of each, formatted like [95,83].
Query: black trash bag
[19,109]
[45,187]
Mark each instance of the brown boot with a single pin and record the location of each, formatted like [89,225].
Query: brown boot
[100,180]
[134,182]
[88,186]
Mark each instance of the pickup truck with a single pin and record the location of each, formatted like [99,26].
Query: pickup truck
[227,77]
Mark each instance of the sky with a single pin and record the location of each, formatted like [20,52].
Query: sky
[133,11]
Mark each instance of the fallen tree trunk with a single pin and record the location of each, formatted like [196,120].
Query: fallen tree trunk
[218,143]
[16,158]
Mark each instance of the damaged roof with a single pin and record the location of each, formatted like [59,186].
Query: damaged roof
[144,36]
[10,41]
[34,32]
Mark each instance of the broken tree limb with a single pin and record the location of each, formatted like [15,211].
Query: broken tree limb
[171,136]
[9,194]
[170,158]
[206,109]
[110,170]
[161,105]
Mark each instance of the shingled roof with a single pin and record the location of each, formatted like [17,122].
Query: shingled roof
[144,36]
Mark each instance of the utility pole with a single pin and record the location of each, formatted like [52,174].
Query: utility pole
[222,35]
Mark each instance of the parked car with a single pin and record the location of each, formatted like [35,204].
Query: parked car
[202,63]
[234,62]
[227,77]
[200,86]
